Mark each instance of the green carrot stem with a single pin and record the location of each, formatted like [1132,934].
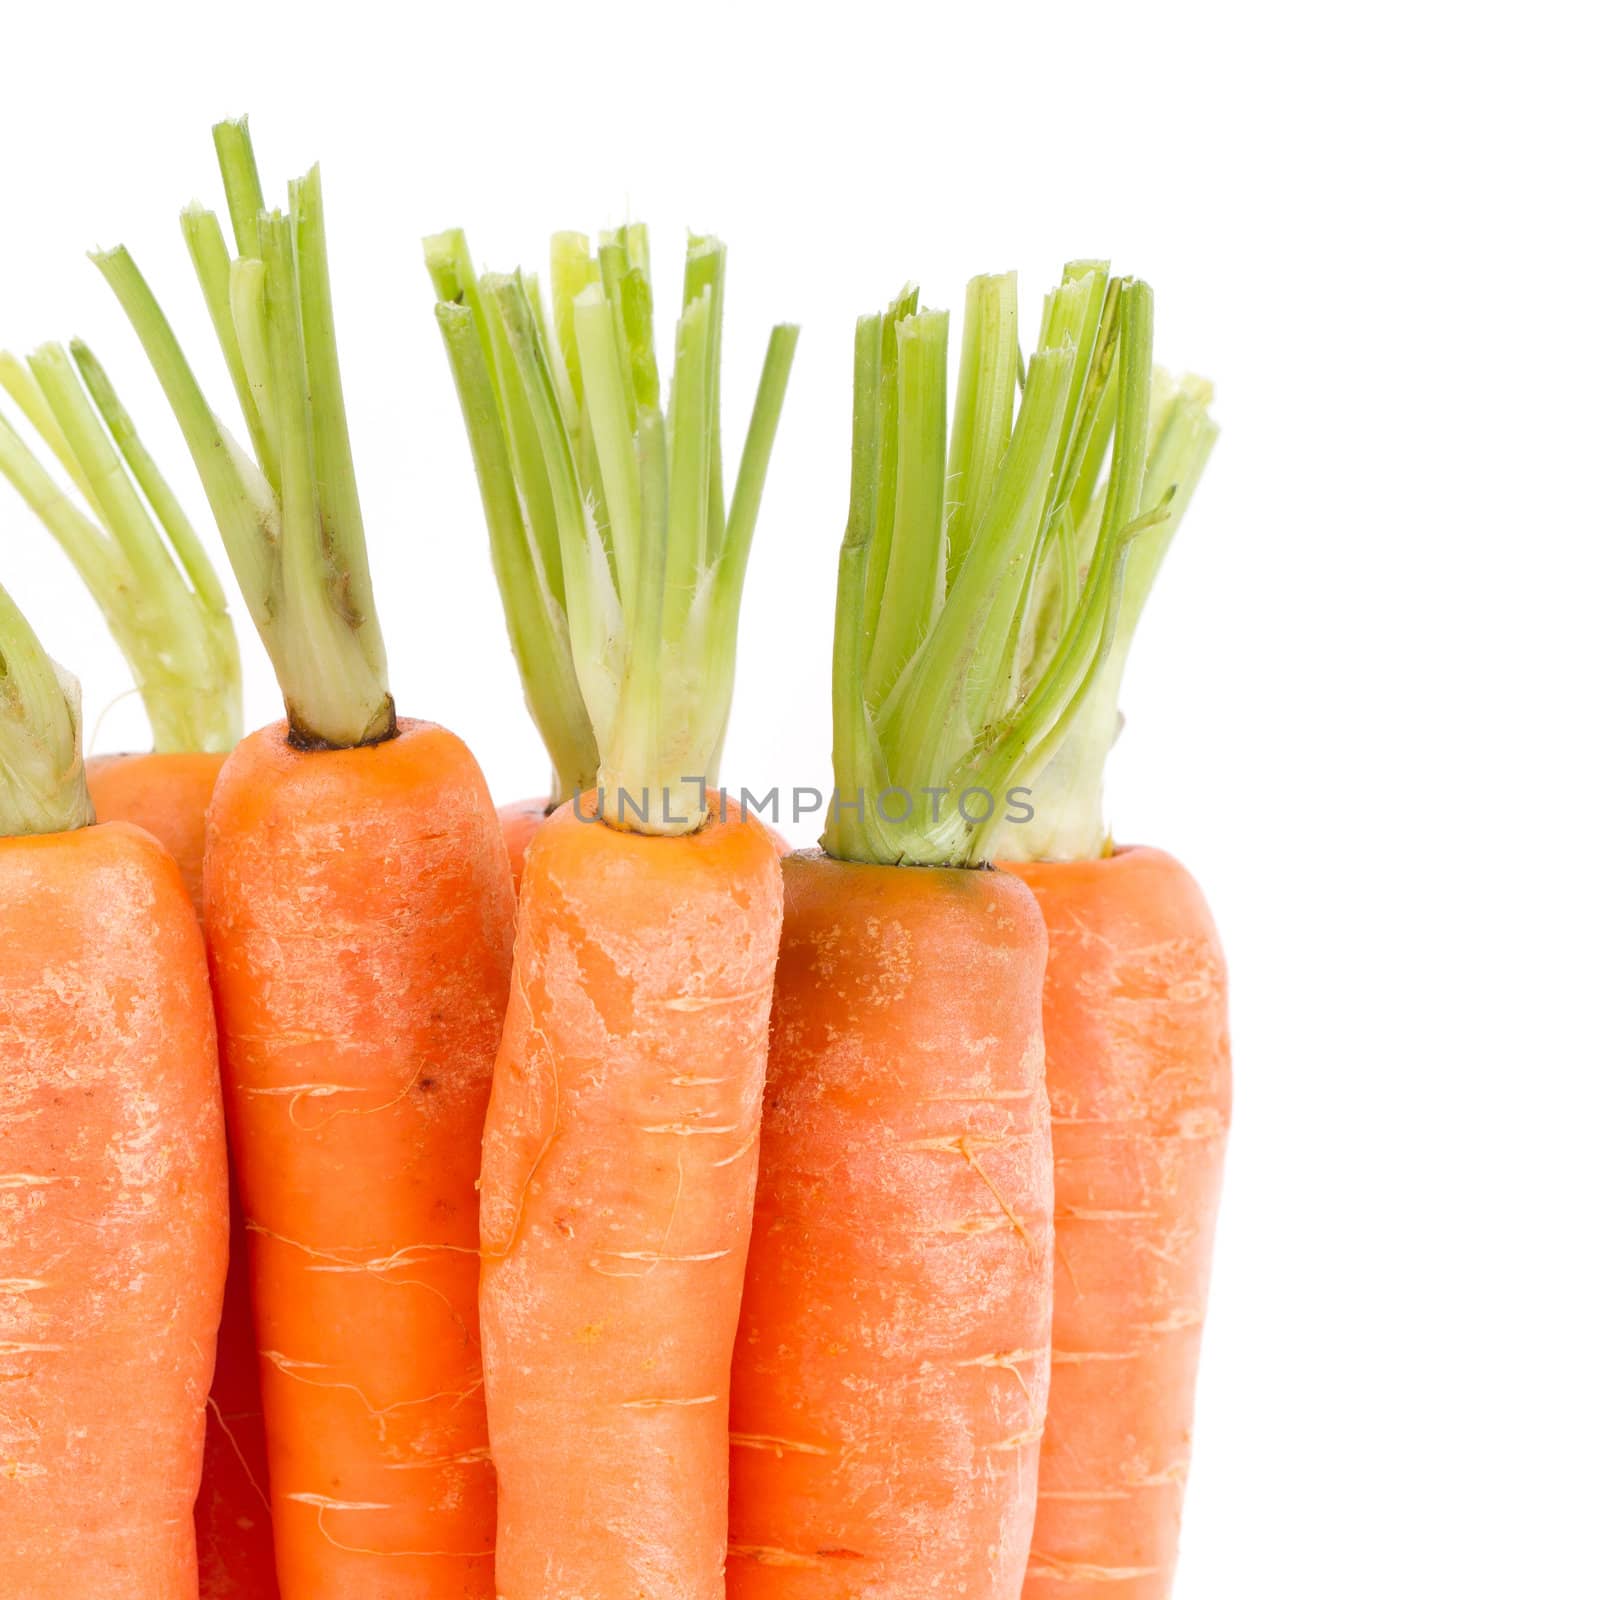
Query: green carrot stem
[134,548]
[536,623]
[288,508]
[42,788]
[978,638]
[623,507]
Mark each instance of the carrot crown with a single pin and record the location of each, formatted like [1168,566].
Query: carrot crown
[982,580]
[42,787]
[134,547]
[287,506]
[621,563]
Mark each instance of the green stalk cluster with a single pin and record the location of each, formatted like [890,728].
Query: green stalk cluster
[985,576]
[134,548]
[287,506]
[42,787]
[620,555]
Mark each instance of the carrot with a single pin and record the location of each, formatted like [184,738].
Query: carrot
[517,822]
[359,924]
[891,1376]
[620,1150]
[141,559]
[1137,1060]
[165,793]
[357,1090]
[113,1181]
[893,1352]
[1136,1025]
[618,1175]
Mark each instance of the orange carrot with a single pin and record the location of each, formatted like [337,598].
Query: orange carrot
[619,1166]
[891,1368]
[164,793]
[620,1150]
[113,1218]
[359,922]
[517,823]
[113,1178]
[1137,1050]
[356,1084]
[140,558]
[1137,1059]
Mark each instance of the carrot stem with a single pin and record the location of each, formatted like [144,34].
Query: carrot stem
[534,618]
[133,546]
[42,787]
[987,590]
[287,508]
[640,556]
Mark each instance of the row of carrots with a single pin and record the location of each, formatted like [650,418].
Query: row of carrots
[592,1200]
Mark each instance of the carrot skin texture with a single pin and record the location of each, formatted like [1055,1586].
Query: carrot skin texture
[517,822]
[113,1217]
[359,918]
[618,1177]
[1136,1039]
[232,1513]
[166,794]
[891,1370]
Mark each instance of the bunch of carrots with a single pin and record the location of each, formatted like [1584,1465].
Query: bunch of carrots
[593,1199]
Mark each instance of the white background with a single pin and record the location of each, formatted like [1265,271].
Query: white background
[1362,703]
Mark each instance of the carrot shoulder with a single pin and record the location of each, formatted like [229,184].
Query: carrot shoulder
[1137,1058]
[891,1368]
[113,1218]
[521,817]
[359,919]
[619,1166]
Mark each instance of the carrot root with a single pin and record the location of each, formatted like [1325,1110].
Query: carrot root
[113,1218]
[893,1356]
[359,917]
[618,1177]
[1137,1048]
